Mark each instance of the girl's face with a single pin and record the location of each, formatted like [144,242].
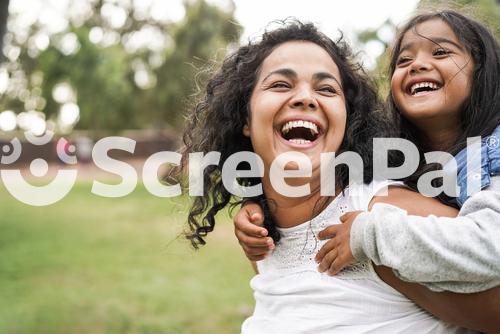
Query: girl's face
[433,74]
[297,104]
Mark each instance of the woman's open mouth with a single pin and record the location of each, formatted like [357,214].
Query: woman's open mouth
[300,132]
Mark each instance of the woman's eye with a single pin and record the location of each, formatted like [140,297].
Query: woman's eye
[441,52]
[327,89]
[279,84]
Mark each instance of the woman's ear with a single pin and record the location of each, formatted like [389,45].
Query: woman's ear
[246,130]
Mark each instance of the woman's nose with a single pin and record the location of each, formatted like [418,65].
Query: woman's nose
[304,99]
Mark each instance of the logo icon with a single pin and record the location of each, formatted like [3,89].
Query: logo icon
[30,194]
[493,141]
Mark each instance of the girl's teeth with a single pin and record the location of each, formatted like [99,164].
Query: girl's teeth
[421,85]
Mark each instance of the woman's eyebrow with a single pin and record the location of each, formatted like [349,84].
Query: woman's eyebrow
[287,72]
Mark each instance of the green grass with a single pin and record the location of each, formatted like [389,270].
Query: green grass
[89,264]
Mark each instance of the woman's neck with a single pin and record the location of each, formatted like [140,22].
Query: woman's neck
[292,211]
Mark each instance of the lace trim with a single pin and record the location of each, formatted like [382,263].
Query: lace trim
[299,245]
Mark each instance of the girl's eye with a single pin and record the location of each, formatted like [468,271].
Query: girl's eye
[402,60]
[441,52]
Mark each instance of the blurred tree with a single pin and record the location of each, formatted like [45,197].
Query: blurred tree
[123,67]
[204,32]
[4,13]
[487,11]
[100,78]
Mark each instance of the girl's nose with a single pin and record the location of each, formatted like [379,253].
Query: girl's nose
[420,64]
[304,99]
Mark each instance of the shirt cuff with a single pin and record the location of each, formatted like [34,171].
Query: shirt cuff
[357,236]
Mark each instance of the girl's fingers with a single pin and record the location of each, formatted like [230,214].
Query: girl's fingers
[254,212]
[327,247]
[245,226]
[246,223]
[349,215]
[251,207]
[255,251]
[344,217]
[328,232]
[256,257]
[335,267]
[327,260]
[250,241]
[257,218]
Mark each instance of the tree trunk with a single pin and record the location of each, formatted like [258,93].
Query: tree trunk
[4,14]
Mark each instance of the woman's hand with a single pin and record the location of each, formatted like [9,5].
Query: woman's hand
[250,233]
[336,253]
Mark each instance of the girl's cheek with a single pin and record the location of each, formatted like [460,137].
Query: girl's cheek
[394,82]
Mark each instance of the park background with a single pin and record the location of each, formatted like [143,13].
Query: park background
[87,69]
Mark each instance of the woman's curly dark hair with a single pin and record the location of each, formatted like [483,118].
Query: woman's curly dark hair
[216,122]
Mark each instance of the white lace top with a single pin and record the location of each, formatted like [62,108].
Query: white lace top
[293,297]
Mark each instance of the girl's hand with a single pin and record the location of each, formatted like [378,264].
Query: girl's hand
[336,252]
[250,233]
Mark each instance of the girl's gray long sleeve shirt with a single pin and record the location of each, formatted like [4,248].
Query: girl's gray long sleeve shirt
[459,254]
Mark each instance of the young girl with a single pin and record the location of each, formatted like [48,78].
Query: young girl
[297,90]
[445,87]
[461,254]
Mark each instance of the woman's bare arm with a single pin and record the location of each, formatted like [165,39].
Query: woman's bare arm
[479,311]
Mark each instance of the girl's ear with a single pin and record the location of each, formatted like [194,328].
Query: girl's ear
[246,130]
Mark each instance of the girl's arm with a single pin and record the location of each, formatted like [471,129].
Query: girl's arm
[254,266]
[434,249]
[459,254]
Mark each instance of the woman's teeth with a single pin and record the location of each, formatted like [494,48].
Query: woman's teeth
[422,87]
[299,141]
[299,124]
[300,132]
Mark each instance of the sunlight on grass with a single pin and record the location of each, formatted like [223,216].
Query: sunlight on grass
[101,265]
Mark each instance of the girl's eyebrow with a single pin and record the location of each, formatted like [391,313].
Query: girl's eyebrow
[439,40]
[435,40]
[287,72]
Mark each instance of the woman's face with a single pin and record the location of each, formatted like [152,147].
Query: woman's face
[433,74]
[297,104]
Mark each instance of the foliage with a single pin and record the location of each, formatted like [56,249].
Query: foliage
[204,32]
[118,87]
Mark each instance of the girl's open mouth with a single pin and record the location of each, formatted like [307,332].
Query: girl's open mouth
[300,132]
[420,88]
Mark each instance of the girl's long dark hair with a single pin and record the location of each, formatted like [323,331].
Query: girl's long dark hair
[216,121]
[481,112]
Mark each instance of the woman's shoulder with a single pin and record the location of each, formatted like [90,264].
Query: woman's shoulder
[359,196]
